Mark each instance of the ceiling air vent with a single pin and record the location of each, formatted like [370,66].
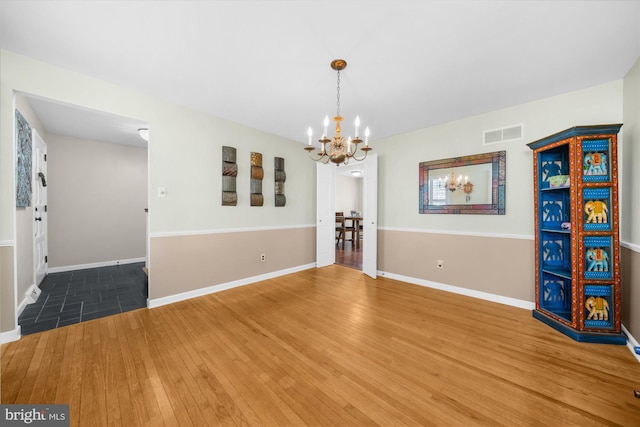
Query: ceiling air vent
[504,134]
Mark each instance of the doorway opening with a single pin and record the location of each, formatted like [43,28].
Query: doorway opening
[326,214]
[96,240]
[348,203]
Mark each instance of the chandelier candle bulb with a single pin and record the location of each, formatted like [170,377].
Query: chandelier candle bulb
[326,125]
[357,125]
[366,136]
[309,132]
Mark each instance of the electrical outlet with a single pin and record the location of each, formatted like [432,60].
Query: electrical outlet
[262,258]
[440,263]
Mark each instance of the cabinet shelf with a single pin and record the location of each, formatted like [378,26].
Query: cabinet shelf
[555,230]
[560,272]
[564,187]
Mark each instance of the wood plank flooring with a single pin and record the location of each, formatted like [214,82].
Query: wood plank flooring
[349,256]
[323,347]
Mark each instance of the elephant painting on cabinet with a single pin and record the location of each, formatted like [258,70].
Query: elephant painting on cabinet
[598,259]
[554,293]
[552,211]
[595,164]
[552,251]
[550,169]
[597,211]
[598,308]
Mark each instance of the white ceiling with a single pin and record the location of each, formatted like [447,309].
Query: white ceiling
[65,119]
[265,64]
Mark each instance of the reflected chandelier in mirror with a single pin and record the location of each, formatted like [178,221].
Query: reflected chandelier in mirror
[464,185]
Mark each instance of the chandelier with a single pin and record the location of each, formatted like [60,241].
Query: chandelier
[453,185]
[340,150]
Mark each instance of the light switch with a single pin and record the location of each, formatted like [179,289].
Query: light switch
[162,192]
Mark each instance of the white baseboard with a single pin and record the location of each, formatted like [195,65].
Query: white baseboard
[631,343]
[157,302]
[10,336]
[31,296]
[528,305]
[94,265]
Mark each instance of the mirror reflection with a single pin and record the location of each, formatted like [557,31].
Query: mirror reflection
[460,185]
[470,184]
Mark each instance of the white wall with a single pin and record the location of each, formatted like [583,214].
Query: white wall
[97,195]
[348,194]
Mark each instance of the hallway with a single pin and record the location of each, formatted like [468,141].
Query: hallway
[76,296]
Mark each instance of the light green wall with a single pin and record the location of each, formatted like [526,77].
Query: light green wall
[630,203]
[184,156]
[185,153]
[630,174]
[400,156]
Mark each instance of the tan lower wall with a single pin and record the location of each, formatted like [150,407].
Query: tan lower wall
[7,306]
[501,266]
[185,263]
[630,275]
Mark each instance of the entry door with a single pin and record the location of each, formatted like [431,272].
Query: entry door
[39,201]
[370,216]
[326,217]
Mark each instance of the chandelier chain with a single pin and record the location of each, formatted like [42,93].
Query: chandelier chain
[338,102]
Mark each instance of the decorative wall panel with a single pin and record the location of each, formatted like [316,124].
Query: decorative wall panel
[257,173]
[279,177]
[229,173]
[23,162]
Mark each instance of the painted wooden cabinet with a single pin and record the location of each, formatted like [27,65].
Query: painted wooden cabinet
[577,233]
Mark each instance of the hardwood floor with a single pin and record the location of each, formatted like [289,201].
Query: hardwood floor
[324,346]
[349,256]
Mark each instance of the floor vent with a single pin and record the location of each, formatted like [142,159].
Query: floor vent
[503,134]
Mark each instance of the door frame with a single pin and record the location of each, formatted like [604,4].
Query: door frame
[325,196]
[43,215]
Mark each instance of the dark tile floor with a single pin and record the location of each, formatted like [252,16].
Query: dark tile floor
[76,296]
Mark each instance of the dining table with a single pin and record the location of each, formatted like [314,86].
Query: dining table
[355,222]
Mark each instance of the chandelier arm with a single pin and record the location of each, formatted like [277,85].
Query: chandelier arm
[352,152]
[361,159]
[320,155]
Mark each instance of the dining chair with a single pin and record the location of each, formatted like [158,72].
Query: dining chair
[342,229]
